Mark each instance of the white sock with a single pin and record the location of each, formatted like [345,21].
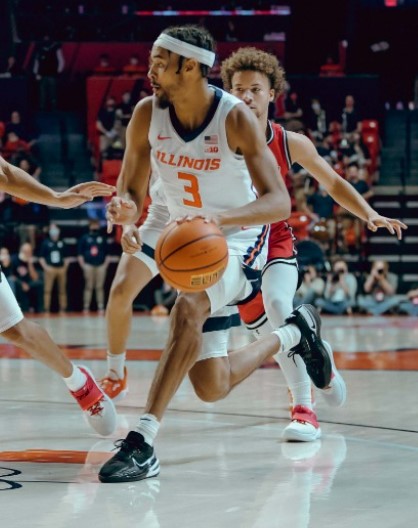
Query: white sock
[148,426]
[76,380]
[301,394]
[298,380]
[289,336]
[115,365]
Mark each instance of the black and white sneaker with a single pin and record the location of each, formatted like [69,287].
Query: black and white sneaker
[135,460]
[311,347]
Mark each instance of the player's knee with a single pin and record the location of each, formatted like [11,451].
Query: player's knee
[189,310]
[210,385]
[211,392]
[120,292]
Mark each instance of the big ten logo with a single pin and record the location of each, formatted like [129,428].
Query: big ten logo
[206,279]
[5,483]
[211,150]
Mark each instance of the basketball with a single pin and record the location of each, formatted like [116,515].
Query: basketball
[191,256]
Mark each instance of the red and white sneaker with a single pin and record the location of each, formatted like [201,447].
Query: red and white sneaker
[336,392]
[97,407]
[116,388]
[304,426]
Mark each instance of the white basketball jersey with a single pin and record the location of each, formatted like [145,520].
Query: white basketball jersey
[199,172]
[156,190]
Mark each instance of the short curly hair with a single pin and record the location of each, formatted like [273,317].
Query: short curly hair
[253,59]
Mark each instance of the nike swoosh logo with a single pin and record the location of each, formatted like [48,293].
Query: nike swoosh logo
[163,137]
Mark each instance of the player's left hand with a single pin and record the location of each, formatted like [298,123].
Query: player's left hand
[391,224]
[83,192]
[120,212]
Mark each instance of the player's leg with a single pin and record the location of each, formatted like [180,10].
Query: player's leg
[62,289]
[49,279]
[99,285]
[278,304]
[136,459]
[88,272]
[280,280]
[215,374]
[32,338]
[132,275]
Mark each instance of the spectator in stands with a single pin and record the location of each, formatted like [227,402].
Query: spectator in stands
[28,279]
[316,121]
[231,32]
[7,212]
[410,304]
[350,116]
[358,182]
[32,168]
[14,146]
[312,287]
[49,64]
[107,126]
[104,67]
[54,262]
[12,68]
[331,68]
[164,297]
[320,206]
[124,112]
[19,128]
[133,67]
[293,112]
[30,216]
[7,267]
[354,150]
[380,288]
[340,291]
[93,260]
[351,228]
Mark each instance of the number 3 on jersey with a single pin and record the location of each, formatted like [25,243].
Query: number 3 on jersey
[191,188]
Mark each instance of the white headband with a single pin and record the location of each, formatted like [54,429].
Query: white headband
[185,49]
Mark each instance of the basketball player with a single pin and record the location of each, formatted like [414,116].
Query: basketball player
[97,407]
[175,133]
[134,273]
[256,78]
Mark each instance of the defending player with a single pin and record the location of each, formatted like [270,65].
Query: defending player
[256,78]
[97,407]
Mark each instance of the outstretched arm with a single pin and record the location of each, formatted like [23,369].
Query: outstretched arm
[302,151]
[19,183]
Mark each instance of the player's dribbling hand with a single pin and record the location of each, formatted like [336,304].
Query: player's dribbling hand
[83,192]
[391,224]
[131,240]
[120,212]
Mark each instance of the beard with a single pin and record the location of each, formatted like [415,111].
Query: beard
[162,101]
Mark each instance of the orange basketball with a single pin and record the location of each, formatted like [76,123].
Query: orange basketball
[191,256]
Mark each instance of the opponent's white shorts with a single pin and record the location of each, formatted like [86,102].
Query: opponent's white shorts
[150,231]
[10,312]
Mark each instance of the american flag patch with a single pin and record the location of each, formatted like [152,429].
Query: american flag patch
[211,140]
